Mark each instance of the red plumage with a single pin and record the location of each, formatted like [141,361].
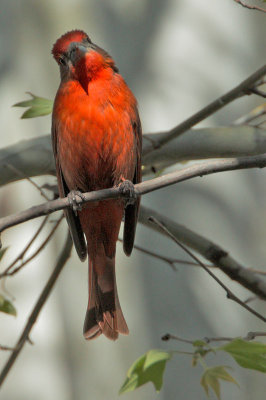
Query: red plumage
[96,135]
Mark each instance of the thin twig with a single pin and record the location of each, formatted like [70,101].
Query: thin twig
[214,106]
[209,250]
[40,248]
[257,112]
[250,7]
[230,295]
[173,261]
[7,348]
[253,335]
[168,336]
[248,337]
[65,254]
[257,91]
[19,173]
[197,170]
[167,260]
[21,255]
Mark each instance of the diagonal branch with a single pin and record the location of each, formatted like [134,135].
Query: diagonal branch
[24,251]
[210,251]
[230,295]
[197,170]
[172,261]
[245,5]
[37,308]
[242,89]
[7,271]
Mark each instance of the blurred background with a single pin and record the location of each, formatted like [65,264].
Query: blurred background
[176,55]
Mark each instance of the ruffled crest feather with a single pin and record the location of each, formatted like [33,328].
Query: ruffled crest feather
[61,45]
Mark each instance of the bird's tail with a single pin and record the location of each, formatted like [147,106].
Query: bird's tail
[104,314]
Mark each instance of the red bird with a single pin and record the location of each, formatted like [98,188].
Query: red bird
[96,134]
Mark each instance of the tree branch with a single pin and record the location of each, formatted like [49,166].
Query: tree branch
[65,254]
[250,7]
[34,157]
[7,271]
[151,185]
[198,144]
[249,336]
[24,251]
[172,261]
[240,90]
[209,250]
[229,294]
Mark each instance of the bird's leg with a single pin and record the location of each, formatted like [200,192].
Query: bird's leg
[73,199]
[127,188]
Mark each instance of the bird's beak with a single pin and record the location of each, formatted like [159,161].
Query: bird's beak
[77,50]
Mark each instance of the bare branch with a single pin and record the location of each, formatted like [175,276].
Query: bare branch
[210,251]
[35,157]
[238,91]
[257,112]
[21,255]
[169,336]
[6,348]
[198,144]
[250,7]
[229,294]
[258,92]
[172,261]
[151,185]
[7,272]
[31,181]
[253,335]
[31,157]
[37,308]
[249,336]
[167,260]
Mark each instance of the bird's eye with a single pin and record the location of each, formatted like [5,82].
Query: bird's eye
[62,61]
[87,39]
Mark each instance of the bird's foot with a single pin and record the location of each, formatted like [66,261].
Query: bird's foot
[74,198]
[127,188]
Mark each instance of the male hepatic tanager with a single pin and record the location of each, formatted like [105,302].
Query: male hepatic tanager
[96,134]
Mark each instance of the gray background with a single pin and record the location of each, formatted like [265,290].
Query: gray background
[176,56]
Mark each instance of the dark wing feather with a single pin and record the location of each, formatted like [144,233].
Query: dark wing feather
[72,219]
[132,210]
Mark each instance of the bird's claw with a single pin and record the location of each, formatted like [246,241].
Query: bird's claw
[73,199]
[127,188]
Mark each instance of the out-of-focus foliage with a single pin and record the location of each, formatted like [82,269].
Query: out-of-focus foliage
[211,377]
[250,355]
[150,367]
[37,106]
[6,306]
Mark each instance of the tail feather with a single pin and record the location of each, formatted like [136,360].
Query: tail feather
[104,314]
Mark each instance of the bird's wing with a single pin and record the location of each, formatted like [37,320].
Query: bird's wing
[72,219]
[132,210]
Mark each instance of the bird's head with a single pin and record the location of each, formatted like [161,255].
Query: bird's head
[79,58]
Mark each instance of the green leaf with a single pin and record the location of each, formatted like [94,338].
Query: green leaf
[250,355]
[2,252]
[148,368]
[6,306]
[211,377]
[38,106]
